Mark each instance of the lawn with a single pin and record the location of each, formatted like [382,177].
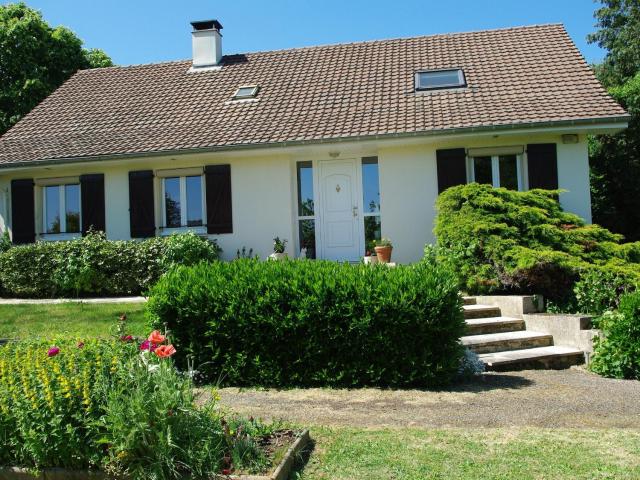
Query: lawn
[529,453]
[75,319]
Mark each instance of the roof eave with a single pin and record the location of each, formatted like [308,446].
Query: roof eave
[612,124]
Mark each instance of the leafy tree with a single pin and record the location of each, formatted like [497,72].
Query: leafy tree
[615,159]
[35,59]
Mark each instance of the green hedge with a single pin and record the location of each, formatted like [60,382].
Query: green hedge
[314,323]
[617,351]
[92,265]
[499,240]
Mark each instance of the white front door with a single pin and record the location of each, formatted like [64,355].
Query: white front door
[339,210]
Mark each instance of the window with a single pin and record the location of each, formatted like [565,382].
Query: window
[371,201]
[306,210]
[61,209]
[497,170]
[246,92]
[183,201]
[437,79]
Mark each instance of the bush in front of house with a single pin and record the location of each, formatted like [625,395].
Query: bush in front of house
[93,265]
[119,407]
[617,350]
[314,323]
[505,241]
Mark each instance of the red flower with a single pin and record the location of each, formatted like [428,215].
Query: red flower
[80,344]
[156,337]
[126,338]
[164,351]
[53,351]
[147,345]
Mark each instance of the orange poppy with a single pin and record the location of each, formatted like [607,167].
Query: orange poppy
[156,337]
[164,351]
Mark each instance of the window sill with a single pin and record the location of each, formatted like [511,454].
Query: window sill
[59,237]
[166,231]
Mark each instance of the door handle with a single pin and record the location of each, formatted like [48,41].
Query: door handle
[355,211]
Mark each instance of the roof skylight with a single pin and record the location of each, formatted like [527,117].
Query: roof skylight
[439,79]
[244,92]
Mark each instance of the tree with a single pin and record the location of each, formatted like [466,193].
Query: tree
[35,59]
[615,159]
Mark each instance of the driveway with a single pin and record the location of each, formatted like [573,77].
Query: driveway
[570,398]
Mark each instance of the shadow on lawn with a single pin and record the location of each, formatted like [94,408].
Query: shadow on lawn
[490,381]
[302,460]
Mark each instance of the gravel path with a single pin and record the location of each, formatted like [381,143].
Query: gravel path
[542,398]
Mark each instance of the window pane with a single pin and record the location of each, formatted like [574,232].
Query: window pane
[446,78]
[72,207]
[172,201]
[52,215]
[372,231]
[307,232]
[370,185]
[509,172]
[194,201]
[482,170]
[305,189]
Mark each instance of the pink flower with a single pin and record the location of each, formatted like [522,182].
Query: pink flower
[53,351]
[147,345]
[80,344]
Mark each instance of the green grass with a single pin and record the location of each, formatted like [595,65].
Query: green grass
[522,453]
[74,319]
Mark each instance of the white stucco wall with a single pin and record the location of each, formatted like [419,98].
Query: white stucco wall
[264,187]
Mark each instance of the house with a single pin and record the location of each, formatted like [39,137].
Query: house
[329,147]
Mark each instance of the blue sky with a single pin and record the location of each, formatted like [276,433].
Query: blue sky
[143,31]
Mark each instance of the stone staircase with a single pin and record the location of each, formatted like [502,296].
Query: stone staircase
[504,343]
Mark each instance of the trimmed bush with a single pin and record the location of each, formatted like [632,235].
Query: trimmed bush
[314,323]
[617,352]
[500,240]
[92,265]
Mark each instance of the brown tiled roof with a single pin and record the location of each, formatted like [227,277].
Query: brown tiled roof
[515,76]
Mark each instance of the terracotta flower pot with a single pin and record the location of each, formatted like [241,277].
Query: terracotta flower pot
[384,254]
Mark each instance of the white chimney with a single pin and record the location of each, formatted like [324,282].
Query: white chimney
[207,43]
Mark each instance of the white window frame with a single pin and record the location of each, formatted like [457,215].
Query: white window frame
[462,81]
[62,205]
[495,170]
[299,217]
[251,94]
[200,230]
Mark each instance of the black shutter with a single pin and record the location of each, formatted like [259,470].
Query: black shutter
[23,211]
[92,200]
[452,168]
[141,205]
[218,181]
[542,162]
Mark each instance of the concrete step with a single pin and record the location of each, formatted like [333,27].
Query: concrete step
[480,311]
[481,326]
[500,342]
[553,357]
[469,300]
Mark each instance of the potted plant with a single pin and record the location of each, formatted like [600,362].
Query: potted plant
[279,247]
[383,250]
[370,258]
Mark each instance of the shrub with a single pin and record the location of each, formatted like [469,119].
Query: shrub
[313,322]
[92,265]
[617,351]
[5,242]
[103,405]
[499,240]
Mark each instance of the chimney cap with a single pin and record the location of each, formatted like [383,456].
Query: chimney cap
[206,25]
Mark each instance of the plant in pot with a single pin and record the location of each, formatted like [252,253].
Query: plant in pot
[370,256]
[279,247]
[383,250]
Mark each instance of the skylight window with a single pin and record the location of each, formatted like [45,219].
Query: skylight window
[439,79]
[244,92]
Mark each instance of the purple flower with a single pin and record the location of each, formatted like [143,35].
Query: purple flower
[53,351]
[147,345]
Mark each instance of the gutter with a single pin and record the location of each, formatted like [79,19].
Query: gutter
[621,120]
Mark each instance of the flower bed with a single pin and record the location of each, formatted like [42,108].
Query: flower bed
[121,408]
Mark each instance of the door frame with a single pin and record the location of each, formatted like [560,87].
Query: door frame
[318,201]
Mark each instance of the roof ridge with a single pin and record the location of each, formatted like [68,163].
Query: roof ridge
[327,45]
